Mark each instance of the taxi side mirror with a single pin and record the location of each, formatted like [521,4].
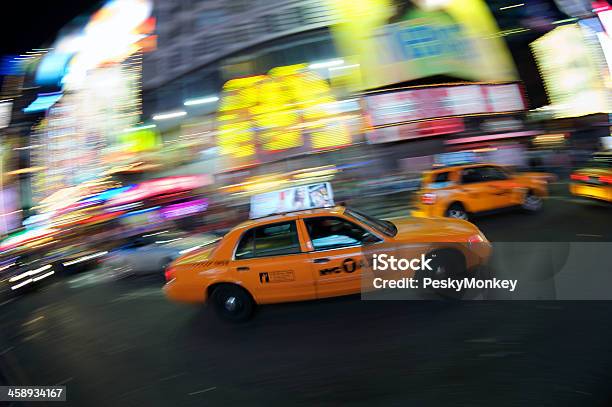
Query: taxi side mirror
[369,238]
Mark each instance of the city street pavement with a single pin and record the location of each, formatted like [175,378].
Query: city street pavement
[120,343]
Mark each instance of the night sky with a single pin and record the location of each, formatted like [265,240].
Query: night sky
[38,22]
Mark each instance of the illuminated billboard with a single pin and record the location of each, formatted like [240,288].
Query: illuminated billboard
[572,73]
[93,121]
[396,41]
[430,111]
[290,110]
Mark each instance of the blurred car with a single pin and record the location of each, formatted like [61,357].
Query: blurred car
[312,254]
[75,258]
[594,181]
[24,273]
[152,253]
[462,190]
[388,185]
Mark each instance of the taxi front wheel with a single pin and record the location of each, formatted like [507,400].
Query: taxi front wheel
[232,302]
[457,211]
[532,202]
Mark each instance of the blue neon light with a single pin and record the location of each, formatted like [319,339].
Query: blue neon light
[43,102]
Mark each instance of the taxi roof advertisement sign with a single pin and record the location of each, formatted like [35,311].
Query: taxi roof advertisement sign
[292,199]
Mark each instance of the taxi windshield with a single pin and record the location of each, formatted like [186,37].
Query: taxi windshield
[600,162]
[383,226]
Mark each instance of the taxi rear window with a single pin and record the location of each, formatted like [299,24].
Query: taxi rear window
[269,240]
[440,180]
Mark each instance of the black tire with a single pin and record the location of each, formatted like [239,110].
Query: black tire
[60,269]
[445,264]
[232,302]
[457,211]
[532,202]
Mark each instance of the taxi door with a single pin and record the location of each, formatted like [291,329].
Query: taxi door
[480,192]
[336,254]
[502,186]
[272,265]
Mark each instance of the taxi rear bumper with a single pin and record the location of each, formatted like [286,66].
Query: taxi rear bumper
[600,192]
[187,293]
[426,211]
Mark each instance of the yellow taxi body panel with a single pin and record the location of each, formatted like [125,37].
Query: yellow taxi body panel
[592,183]
[312,268]
[497,188]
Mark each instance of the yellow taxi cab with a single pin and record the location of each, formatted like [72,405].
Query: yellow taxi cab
[461,190]
[313,253]
[595,180]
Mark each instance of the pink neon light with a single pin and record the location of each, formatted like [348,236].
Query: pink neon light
[492,137]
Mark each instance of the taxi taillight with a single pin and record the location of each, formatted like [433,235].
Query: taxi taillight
[579,177]
[428,198]
[169,274]
[476,239]
[606,179]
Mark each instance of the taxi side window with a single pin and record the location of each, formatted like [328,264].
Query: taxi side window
[246,247]
[495,174]
[441,177]
[440,180]
[472,175]
[270,240]
[330,233]
[482,174]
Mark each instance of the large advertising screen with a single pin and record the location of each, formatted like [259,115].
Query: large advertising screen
[430,111]
[289,111]
[572,71]
[401,40]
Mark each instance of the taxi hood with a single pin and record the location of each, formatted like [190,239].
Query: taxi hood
[434,230]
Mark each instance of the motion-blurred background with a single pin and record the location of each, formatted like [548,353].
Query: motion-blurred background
[144,116]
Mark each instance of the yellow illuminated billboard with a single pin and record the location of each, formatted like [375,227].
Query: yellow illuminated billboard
[398,41]
[289,110]
[572,74]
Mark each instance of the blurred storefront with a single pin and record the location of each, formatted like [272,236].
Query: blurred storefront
[91,104]
[574,60]
[301,98]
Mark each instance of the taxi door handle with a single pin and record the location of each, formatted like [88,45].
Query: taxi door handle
[242,269]
[322,260]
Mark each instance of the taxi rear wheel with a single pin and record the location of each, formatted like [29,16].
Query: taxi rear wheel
[532,202]
[232,302]
[457,211]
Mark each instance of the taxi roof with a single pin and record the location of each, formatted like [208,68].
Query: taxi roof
[333,210]
[461,166]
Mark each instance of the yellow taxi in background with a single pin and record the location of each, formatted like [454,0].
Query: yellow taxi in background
[595,180]
[461,190]
[314,253]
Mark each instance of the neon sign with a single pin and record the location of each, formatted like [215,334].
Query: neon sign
[288,108]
